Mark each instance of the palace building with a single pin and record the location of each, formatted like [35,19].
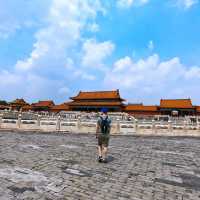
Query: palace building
[172,107]
[43,105]
[39,106]
[4,105]
[18,104]
[198,110]
[141,110]
[59,108]
[179,107]
[94,101]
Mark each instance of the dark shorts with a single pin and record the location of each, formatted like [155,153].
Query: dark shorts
[103,140]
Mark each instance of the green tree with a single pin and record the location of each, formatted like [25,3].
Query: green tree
[2,102]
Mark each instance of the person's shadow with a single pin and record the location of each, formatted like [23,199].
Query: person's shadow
[110,159]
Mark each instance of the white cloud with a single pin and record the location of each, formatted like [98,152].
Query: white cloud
[151,45]
[62,56]
[9,86]
[143,1]
[84,75]
[124,3]
[129,3]
[193,72]
[15,85]
[93,27]
[64,90]
[7,29]
[69,64]
[94,53]
[148,78]
[122,64]
[55,58]
[186,4]
[63,32]
[20,14]
[8,78]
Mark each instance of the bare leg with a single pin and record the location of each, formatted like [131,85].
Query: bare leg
[100,150]
[104,152]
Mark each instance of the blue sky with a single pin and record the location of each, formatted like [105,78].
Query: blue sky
[51,49]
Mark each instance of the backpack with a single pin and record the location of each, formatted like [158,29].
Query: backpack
[105,125]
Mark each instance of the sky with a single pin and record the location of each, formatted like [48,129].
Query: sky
[52,49]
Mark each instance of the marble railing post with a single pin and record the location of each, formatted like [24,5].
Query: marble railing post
[185,126]
[153,126]
[198,124]
[19,121]
[1,119]
[136,125]
[118,126]
[38,121]
[58,123]
[78,123]
[170,126]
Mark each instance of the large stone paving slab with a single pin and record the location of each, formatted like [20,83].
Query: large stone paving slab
[57,167]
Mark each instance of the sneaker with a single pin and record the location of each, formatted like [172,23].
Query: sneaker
[100,159]
[104,160]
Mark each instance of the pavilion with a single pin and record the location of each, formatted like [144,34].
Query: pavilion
[179,107]
[141,110]
[43,105]
[94,101]
[18,104]
[198,110]
[59,108]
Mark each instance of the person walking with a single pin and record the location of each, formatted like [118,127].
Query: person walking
[103,135]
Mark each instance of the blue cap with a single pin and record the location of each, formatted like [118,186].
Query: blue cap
[104,110]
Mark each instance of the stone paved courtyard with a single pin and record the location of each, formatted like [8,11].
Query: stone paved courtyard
[58,167]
